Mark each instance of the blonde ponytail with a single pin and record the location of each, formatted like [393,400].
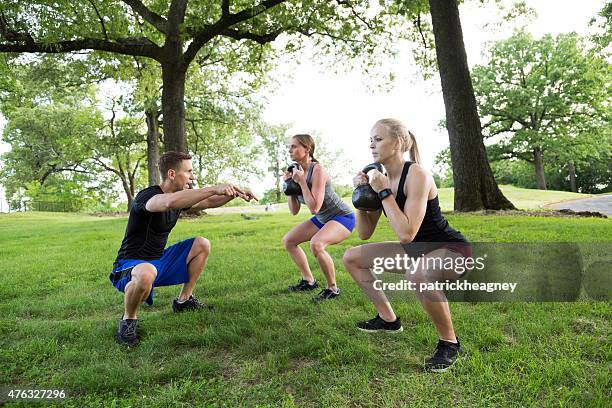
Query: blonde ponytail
[414,149]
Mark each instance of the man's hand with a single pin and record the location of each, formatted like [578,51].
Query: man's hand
[228,190]
[248,195]
[378,181]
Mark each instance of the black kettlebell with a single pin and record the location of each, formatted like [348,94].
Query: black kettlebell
[364,196]
[290,187]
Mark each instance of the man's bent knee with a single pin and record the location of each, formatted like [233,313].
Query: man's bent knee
[202,245]
[144,274]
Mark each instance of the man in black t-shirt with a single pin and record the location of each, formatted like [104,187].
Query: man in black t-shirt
[143,262]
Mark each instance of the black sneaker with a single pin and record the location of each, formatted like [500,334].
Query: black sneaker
[303,285]
[190,304]
[326,294]
[445,355]
[377,324]
[126,332]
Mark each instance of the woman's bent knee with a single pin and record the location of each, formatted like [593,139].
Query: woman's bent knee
[288,242]
[317,247]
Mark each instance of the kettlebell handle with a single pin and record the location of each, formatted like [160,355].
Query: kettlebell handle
[373,166]
[364,197]
[293,166]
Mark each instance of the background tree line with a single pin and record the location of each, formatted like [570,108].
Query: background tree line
[545,108]
[188,72]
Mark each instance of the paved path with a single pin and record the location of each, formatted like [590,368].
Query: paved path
[602,204]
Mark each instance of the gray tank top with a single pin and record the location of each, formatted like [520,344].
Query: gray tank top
[332,206]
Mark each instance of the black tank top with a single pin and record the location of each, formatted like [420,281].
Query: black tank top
[434,227]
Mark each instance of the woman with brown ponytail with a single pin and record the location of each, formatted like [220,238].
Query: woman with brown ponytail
[410,202]
[333,219]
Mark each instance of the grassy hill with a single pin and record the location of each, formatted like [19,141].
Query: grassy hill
[522,198]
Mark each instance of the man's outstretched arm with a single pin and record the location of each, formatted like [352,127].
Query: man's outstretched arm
[219,200]
[188,198]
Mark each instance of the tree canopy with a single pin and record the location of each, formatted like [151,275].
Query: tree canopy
[177,33]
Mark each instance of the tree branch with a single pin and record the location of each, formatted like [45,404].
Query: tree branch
[112,119]
[420,28]
[54,169]
[308,33]
[498,131]
[246,35]
[204,119]
[509,154]
[149,16]
[122,177]
[208,32]
[133,173]
[225,8]
[510,117]
[128,46]
[120,166]
[99,18]
[12,35]
[356,14]
[176,17]
[543,114]
[108,168]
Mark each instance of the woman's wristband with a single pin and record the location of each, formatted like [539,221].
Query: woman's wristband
[384,193]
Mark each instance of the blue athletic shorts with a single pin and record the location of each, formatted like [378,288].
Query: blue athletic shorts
[348,221]
[171,268]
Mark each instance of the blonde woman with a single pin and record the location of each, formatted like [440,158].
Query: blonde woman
[333,219]
[410,202]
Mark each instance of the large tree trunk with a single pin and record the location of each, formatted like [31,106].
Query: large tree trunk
[173,106]
[475,187]
[572,177]
[153,147]
[538,164]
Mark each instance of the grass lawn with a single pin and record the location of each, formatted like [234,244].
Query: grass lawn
[264,346]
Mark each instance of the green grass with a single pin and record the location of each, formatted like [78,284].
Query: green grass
[522,198]
[263,346]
